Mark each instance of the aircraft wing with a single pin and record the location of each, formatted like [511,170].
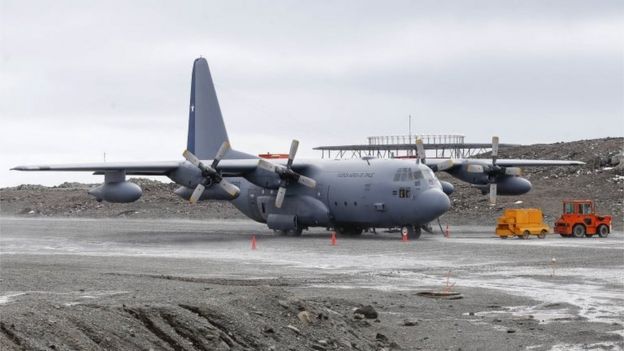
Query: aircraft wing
[228,167]
[504,162]
[136,168]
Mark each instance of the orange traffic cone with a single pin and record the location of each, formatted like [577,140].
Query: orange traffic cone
[253,242]
[333,239]
[404,237]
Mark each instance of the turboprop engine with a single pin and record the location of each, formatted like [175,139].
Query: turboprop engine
[509,185]
[116,189]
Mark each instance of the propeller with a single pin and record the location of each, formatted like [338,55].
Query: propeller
[210,174]
[420,151]
[494,171]
[422,158]
[286,174]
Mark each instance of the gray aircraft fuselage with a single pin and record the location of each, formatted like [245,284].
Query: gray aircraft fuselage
[350,193]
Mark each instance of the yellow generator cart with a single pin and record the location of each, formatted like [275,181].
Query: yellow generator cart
[522,222]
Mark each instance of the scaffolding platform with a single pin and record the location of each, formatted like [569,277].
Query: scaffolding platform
[404,146]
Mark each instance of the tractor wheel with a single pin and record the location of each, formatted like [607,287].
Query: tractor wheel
[578,231]
[603,231]
[542,234]
[526,234]
[503,237]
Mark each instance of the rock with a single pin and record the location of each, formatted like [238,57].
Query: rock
[305,317]
[293,328]
[367,311]
[358,316]
[269,330]
[283,304]
[394,346]
[410,323]
[511,331]
[381,337]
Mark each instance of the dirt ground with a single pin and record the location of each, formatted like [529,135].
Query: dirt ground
[121,284]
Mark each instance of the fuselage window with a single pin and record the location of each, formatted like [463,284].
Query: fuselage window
[345,203]
[404,193]
[354,203]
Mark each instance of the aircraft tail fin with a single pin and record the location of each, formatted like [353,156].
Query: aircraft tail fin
[206,130]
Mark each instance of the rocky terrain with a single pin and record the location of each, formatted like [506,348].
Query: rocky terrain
[601,179]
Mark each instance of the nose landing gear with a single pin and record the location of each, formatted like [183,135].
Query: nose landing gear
[412,231]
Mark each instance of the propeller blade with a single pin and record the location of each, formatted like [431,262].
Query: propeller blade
[492,194]
[229,188]
[197,193]
[266,165]
[191,158]
[420,150]
[222,150]
[309,182]
[444,165]
[494,149]
[513,171]
[472,168]
[294,145]
[279,199]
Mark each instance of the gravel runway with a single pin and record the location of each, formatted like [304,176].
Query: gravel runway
[197,285]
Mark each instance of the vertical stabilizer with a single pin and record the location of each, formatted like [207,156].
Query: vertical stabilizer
[206,131]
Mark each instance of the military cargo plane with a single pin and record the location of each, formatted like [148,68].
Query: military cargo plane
[291,195]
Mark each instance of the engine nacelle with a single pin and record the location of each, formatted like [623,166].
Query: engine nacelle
[119,192]
[447,187]
[509,185]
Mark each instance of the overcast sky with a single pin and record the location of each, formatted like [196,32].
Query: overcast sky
[80,78]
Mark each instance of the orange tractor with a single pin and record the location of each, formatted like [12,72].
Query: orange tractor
[579,219]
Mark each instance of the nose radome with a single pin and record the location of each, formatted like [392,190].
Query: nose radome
[433,203]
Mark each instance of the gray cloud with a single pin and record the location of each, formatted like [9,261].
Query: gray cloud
[82,78]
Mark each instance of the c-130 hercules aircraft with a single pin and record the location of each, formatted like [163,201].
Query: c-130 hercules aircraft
[347,195]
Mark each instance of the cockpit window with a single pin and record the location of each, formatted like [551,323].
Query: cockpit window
[407,174]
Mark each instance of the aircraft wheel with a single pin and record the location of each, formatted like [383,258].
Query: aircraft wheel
[504,237]
[280,232]
[542,234]
[578,231]
[349,231]
[526,234]
[603,231]
[296,232]
[413,232]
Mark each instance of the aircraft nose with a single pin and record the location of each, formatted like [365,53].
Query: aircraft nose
[433,203]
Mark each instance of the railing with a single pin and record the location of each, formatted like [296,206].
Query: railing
[411,139]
